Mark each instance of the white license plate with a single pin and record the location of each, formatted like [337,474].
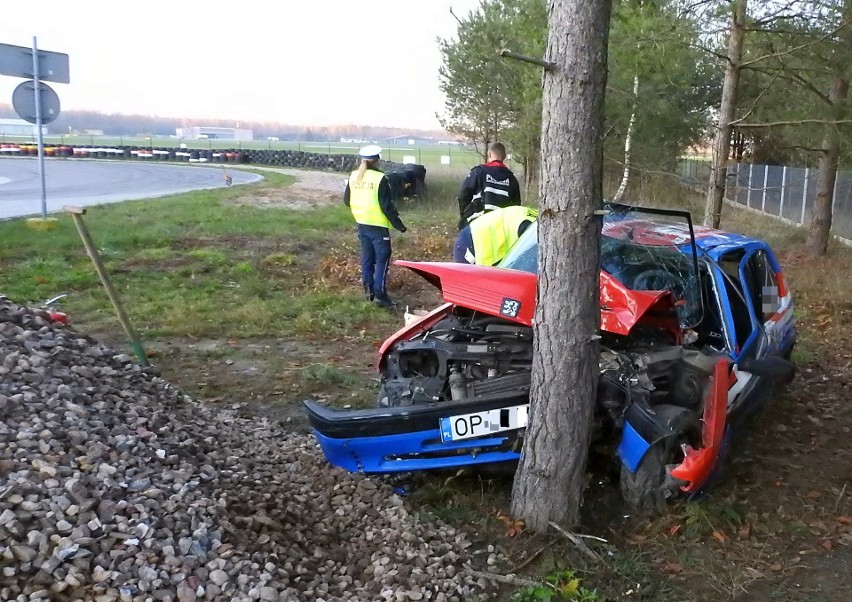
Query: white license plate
[479,424]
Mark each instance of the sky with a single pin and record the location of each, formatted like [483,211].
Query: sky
[300,62]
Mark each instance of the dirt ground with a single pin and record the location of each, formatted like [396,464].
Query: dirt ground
[311,189]
[778,526]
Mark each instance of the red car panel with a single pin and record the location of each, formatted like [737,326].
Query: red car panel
[511,294]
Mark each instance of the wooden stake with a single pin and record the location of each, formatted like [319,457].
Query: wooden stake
[77,214]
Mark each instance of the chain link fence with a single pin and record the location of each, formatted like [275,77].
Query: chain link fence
[784,192]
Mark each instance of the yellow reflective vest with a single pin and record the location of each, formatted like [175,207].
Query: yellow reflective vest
[494,232]
[364,199]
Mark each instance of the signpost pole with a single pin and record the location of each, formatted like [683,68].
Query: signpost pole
[38,129]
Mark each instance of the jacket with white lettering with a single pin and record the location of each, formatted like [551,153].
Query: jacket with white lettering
[487,186]
[385,202]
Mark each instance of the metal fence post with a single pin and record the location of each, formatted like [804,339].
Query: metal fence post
[783,187]
[748,191]
[805,195]
[765,181]
[834,194]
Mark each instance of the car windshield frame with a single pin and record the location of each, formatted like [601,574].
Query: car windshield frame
[661,241]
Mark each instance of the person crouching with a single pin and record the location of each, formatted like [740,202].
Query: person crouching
[488,238]
[368,195]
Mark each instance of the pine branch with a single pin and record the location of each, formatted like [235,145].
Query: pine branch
[756,100]
[795,122]
[795,48]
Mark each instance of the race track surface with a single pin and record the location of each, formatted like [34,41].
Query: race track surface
[86,183]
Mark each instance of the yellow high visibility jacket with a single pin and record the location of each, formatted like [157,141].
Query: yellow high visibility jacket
[495,232]
[364,199]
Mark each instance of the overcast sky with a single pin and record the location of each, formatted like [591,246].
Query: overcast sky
[304,62]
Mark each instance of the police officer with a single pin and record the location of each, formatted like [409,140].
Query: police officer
[368,194]
[488,186]
[489,237]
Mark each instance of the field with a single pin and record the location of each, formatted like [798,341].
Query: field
[244,301]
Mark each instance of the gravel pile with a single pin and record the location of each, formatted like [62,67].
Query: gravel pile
[116,486]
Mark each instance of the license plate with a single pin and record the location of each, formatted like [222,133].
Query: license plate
[479,424]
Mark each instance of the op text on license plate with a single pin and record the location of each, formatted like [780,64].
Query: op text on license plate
[488,422]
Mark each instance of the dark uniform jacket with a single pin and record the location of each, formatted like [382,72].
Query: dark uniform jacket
[487,186]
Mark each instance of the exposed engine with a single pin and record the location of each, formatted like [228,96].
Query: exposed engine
[471,357]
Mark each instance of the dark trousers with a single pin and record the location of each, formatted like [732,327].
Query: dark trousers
[464,243]
[375,258]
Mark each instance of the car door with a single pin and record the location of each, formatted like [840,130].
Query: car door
[738,317]
[757,301]
[770,301]
[757,312]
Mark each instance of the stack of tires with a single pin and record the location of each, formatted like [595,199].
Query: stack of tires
[414,175]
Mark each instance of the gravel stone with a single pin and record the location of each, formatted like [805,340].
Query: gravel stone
[117,486]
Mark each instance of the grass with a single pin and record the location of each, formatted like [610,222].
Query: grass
[191,265]
[199,265]
[557,586]
[324,375]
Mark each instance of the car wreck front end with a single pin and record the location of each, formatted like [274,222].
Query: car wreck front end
[455,383]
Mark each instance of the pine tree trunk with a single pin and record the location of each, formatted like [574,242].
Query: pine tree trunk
[820,229]
[549,483]
[727,108]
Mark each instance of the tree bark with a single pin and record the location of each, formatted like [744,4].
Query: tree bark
[722,141]
[549,483]
[819,232]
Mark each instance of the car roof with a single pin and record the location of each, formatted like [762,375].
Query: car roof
[665,233]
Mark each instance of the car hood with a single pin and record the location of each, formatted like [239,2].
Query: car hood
[511,294]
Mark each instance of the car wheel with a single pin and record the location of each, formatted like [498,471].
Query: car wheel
[643,490]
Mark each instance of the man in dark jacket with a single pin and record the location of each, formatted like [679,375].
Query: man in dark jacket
[488,186]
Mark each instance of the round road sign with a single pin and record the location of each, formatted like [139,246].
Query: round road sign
[23,99]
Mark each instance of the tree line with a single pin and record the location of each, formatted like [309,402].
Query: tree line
[766,81]
[117,124]
[632,84]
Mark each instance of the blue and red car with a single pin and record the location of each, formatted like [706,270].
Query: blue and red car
[696,332]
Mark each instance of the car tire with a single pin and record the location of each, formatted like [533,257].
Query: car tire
[643,490]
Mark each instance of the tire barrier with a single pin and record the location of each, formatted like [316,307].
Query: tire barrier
[407,181]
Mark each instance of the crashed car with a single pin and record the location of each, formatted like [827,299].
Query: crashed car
[696,331]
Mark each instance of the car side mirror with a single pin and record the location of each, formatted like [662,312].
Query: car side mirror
[774,368]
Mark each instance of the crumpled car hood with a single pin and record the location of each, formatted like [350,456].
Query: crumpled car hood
[511,294]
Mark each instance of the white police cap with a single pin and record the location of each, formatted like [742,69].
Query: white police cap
[371,151]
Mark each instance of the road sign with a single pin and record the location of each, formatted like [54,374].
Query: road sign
[17,61]
[23,99]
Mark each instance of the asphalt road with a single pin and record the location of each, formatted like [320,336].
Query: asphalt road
[86,183]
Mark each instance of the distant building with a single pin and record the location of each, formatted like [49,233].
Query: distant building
[406,141]
[201,132]
[19,127]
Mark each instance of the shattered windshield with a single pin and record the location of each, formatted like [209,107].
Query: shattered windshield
[644,249]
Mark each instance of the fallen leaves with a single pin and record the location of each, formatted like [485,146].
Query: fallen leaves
[672,568]
[513,526]
[719,536]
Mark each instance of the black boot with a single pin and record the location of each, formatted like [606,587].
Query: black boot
[384,300]
[369,294]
